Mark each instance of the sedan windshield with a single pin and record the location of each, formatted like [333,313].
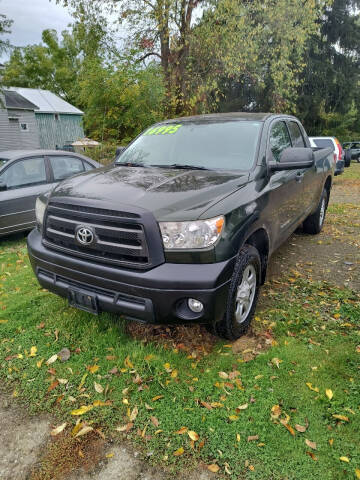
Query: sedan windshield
[226,145]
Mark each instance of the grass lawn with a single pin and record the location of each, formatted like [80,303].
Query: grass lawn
[289,411]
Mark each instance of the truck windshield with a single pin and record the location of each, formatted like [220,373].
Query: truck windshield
[225,145]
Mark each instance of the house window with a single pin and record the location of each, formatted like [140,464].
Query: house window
[24,127]
[56,116]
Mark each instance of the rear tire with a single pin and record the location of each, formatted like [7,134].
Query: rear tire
[242,297]
[313,223]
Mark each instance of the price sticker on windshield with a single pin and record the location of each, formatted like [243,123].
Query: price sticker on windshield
[164,130]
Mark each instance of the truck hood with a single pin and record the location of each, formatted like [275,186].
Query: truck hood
[168,194]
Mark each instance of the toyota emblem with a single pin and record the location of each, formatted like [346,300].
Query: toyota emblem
[85,236]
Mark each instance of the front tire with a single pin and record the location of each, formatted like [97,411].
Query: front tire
[313,223]
[243,295]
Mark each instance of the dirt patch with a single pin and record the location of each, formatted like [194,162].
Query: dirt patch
[64,454]
[21,439]
[192,339]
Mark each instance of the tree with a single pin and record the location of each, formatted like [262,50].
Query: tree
[56,64]
[5,24]
[329,90]
[120,102]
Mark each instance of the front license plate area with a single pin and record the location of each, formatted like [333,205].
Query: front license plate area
[83,301]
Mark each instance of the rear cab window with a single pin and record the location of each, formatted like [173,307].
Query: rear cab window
[297,138]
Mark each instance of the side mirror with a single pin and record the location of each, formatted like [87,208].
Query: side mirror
[119,151]
[293,158]
[3,186]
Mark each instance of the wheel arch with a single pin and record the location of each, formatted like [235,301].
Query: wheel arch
[260,240]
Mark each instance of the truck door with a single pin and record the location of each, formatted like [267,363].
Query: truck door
[309,179]
[285,187]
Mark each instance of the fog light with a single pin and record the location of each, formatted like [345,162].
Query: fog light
[195,306]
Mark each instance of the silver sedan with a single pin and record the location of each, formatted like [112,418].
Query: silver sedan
[26,174]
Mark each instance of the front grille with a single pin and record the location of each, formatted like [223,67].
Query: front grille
[120,236]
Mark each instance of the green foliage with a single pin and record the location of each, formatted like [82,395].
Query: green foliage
[5,24]
[329,101]
[121,102]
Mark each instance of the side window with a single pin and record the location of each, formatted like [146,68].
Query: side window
[279,139]
[88,166]
[27,172]
[296,135]
[65,166]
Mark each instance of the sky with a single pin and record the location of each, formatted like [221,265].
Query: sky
[31,17]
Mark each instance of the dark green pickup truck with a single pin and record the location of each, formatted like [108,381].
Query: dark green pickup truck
[181,227]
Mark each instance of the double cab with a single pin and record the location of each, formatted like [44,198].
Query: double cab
[181,227]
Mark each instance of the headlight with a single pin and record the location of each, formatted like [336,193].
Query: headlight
[40,208]
[191,235]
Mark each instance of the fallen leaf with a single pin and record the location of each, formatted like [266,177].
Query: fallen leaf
[223,375]
[288,427]
[174,373]
[182,431]
[109,455]
[58,430]
[357,472]
[241,407]
[54,384]
[252,438]
[314,389]
[275,412]
[64,354]
[193,435]
[344,459]
[310,444]
[126,428]
[179,452]
[83,409]
[206,405]
[154,421]
[113,371]
[39,363]
[134,414]
[128,363]
[84,431]
[312,456]
[341,417]
[33,351]
[98,388]
[233,418]
[276,361]
[148,407]
[300,428]
[213,468]
[329,393]
[157,398]
[110,357]
[52,359]
[93,368]
[100,403]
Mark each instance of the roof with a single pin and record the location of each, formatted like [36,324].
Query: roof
[15,100]
[46,101]
[11,155]
[257,117]
[85,142]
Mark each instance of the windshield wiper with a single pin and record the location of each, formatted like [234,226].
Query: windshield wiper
[181,166]
[130,164]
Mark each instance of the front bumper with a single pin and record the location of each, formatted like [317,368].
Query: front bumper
[154,296]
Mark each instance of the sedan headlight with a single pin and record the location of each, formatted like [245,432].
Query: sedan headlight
[191,235]
[40,208]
